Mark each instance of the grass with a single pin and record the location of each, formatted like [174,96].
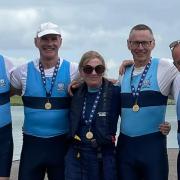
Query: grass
[171,102]
[16,101]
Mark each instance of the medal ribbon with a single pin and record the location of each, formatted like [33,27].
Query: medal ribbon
[89,121]
[135,92]
[41,68]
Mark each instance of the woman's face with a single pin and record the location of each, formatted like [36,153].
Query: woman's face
[92,72]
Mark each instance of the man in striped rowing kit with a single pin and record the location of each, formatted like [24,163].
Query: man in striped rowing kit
[44,83]
[6,140]
[145,86]
[175,49]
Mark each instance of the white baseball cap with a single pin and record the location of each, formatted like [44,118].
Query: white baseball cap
[48,28]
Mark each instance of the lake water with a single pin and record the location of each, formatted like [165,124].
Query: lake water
[17,115]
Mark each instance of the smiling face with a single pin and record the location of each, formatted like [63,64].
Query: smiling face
[48,46]
[93,79]
[91,68]
[141,43]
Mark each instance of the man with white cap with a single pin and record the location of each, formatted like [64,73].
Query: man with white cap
[43,85]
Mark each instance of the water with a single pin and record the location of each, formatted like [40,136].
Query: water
[171,117]
[17,121]
[17,115]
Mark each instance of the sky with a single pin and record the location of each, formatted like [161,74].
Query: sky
[101,25]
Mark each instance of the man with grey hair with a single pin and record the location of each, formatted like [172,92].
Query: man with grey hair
[145,86]
[43,85]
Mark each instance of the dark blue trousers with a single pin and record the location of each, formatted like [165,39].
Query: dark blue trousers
[42,155]
[142,158]
[89,166]
[6,150]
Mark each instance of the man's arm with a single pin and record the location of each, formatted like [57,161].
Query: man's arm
[176,95]
[75,84]
[125,64]
[166,74]
[14,91]
[18,80]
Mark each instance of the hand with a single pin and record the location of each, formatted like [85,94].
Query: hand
[165,128]
[73,85]
[14,91]
[123,66]
[114,81]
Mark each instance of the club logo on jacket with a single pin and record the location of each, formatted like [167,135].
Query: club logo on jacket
[102,113]
[61,87]
[2,83]
[146,83]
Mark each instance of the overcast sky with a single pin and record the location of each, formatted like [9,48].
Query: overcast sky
[101,25]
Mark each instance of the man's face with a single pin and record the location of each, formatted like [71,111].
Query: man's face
[141,43]
[48,46]
[176,56]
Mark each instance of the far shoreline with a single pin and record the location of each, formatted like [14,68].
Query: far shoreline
[17,101]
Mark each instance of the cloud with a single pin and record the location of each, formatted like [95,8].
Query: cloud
[112,68]
[16,31]
[17,61]
[101,25]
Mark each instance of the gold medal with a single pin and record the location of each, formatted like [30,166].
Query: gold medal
[78,155]
[89,135]
[48,105]
[135,108]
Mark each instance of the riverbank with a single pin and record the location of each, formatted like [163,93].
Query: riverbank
[17,101]
[172,154]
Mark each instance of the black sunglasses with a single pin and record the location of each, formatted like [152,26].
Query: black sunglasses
[174,44]
[99,69]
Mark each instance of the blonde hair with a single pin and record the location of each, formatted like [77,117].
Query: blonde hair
[86,57]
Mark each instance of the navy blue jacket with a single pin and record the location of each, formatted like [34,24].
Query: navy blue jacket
[106,114]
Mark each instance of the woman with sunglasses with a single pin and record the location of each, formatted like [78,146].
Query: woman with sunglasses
[94,113]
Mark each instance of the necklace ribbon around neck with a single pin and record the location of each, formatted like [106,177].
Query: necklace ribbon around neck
[88,121]
[48,105]
[136,92]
